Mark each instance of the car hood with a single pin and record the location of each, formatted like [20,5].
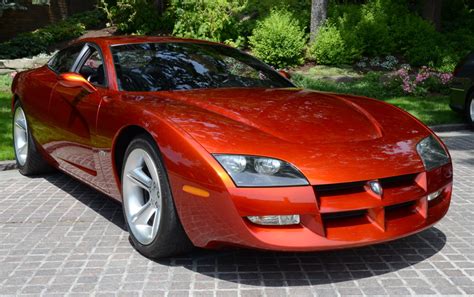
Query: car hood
[329,137]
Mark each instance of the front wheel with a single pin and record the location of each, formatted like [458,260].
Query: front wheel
[150,215]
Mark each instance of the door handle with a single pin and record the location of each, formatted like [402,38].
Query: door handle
[107,99]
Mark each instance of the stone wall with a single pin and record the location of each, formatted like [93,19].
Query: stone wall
[13,22]
[17,65]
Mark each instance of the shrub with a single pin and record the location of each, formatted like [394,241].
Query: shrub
[38,41]
[132,16]
[417,40]
[279,40]
[215,20]
[329,48]
[383,27]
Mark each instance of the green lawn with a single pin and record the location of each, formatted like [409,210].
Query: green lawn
[432,110]
[6,151]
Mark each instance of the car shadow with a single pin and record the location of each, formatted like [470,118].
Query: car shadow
[102,204]
[276,269]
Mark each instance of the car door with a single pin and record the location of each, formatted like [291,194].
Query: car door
[74,114]
[41,82]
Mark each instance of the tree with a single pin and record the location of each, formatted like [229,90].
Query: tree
[319,12]
[160,6]
[432,12]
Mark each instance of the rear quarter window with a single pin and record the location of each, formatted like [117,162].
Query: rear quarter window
[64,60]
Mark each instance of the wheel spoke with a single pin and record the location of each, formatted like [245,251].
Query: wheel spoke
[139,178]
[144,214]
[22,148]
[20,123]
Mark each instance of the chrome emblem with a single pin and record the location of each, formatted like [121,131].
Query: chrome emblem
[376,187]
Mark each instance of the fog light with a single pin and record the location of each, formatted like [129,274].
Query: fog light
[434,195]
[275,220]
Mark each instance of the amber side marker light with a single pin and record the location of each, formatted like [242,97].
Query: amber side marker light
[195,191]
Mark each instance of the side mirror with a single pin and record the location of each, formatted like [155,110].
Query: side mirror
[285,74]
[75,80]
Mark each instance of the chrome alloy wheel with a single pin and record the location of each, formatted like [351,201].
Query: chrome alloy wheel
[20,136]
[471,110]
[142,196]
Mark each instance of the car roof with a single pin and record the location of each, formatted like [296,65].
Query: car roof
[116,40]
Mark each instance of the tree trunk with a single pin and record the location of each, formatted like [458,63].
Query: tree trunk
[160,6]
[432,12]
[319,12]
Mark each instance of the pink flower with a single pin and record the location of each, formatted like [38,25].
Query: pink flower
[13,74]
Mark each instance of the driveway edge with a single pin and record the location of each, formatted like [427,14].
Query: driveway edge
[450,127]
[7,165]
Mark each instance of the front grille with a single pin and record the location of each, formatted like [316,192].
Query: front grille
[344,215]
[338,188]
[347,205]
[400,206]
[398,181]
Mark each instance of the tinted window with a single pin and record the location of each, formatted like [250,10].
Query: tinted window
[465,67]
[63,61]
[185,66]
[93,68]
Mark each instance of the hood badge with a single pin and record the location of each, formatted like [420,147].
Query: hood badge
[376,187]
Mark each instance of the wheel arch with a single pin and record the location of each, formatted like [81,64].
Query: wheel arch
[15,98]
[469,92]
[120,145]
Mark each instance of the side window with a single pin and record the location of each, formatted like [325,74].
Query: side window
[62,62]
[93,68]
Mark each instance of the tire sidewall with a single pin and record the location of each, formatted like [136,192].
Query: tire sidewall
[168,214]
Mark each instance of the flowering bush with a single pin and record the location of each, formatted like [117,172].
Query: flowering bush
[387,63]
[424,81]
[390,63]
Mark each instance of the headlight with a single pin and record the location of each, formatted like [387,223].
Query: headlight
[432,153]
[250,171]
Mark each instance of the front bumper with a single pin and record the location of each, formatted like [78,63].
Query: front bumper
[332,216]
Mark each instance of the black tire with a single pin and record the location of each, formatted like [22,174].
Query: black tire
[469,114]
[171,238]
[35,163]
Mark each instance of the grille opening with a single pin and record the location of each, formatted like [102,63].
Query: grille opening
[398,181]
[344,215]
[339,189]
[401,205]
[400,210]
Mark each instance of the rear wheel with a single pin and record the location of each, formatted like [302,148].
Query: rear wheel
[28,160]
[154,226]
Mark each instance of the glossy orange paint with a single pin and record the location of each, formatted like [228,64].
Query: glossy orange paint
[332,139]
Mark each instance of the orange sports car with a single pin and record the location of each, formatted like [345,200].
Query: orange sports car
[207,146]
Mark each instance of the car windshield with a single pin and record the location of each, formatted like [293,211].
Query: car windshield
[186,66]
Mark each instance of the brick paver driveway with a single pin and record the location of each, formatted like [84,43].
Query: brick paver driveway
[59,237]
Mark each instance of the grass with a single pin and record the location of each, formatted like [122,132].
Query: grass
[432,110]
[321,71]
[6,149]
